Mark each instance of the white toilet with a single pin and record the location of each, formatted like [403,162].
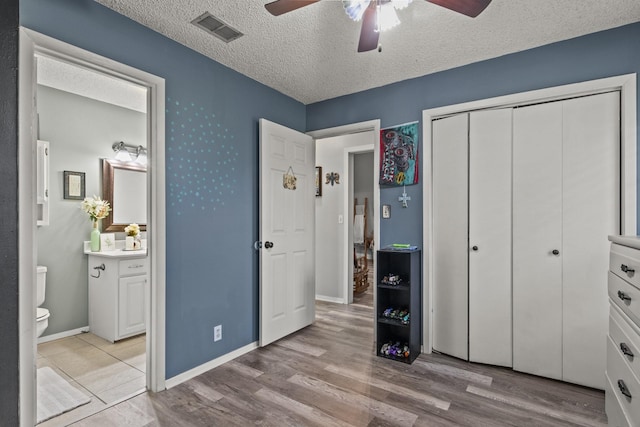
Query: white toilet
[42,314]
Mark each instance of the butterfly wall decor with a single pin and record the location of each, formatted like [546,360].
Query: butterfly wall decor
[333,177]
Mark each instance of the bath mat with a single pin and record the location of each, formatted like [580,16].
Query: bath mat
[56,396]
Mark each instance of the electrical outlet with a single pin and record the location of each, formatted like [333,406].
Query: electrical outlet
[217,333]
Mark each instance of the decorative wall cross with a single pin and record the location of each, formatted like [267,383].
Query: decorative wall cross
[404,198]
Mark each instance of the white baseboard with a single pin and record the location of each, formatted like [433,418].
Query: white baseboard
[191,373]
[330,299]
[64,334]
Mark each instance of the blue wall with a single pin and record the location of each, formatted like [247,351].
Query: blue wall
[212,173]
[593,56]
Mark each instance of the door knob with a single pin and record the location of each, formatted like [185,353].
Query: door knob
[268,245]
[555,252]
[475,248]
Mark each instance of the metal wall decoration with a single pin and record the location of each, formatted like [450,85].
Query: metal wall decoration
[289,179]
[404,198]
[333,178]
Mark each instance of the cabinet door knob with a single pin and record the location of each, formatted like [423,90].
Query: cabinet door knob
[268,245]
[623,389]
[475,248]
[623,296]
[624,348]
[555,252]
[626,269]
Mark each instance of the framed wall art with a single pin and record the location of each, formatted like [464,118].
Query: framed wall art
[74,186]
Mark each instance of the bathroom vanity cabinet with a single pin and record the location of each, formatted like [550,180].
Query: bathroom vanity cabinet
[118,283]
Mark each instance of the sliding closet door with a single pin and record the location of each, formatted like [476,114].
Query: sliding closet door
[490,237]
[537,239]
[591,189]
[450,235]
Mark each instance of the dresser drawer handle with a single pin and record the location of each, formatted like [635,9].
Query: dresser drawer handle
[623,296]
[626,350]
[623,389]
[136,266]
[626,269]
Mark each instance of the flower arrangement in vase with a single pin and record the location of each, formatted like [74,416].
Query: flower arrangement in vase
[97,209]
[132,241]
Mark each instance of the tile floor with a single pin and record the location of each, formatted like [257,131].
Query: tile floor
[105,371]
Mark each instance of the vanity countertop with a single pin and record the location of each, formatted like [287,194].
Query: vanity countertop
[118,252]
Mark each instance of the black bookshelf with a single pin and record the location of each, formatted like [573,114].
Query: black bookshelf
[399,285]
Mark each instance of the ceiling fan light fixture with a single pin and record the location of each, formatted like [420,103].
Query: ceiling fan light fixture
[355,8]
[401,4]
[386,17]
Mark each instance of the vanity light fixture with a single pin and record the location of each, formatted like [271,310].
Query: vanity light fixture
[128,153]
[141,155]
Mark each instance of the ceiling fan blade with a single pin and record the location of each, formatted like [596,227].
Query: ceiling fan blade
[368,34]
[280,7]
[470,8]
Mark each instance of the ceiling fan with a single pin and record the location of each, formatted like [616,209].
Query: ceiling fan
[373,13]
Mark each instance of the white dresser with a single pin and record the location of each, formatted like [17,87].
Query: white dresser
[622,401]
[118,289]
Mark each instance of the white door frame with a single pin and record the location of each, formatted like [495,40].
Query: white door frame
[626,84]
[368,126]
[32,43]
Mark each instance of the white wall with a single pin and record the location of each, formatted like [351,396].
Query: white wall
[329,232]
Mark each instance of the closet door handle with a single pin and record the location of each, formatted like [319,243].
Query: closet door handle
[475,248]
[623,296]
[268,245]
[623,389]
[624,348]
[555,252]
[626,269]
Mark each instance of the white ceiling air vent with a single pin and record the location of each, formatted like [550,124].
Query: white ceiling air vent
[217,27]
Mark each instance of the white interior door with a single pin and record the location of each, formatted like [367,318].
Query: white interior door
[490,237]
[537,233]
[450,235]
[287,232]
[591,194]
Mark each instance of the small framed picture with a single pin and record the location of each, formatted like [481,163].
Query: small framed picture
[318,181]
[107,242]
[73,185]
[386,211]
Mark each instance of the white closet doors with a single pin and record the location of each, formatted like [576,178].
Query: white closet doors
[566,199]
[450,235]
[490,237]
[472,236]
[591,183]
[537,233]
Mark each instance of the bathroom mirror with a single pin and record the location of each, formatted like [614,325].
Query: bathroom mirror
[124,186]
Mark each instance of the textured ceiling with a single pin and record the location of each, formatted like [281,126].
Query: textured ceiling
[310,54]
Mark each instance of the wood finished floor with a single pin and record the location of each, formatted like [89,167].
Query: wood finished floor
[328,375]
